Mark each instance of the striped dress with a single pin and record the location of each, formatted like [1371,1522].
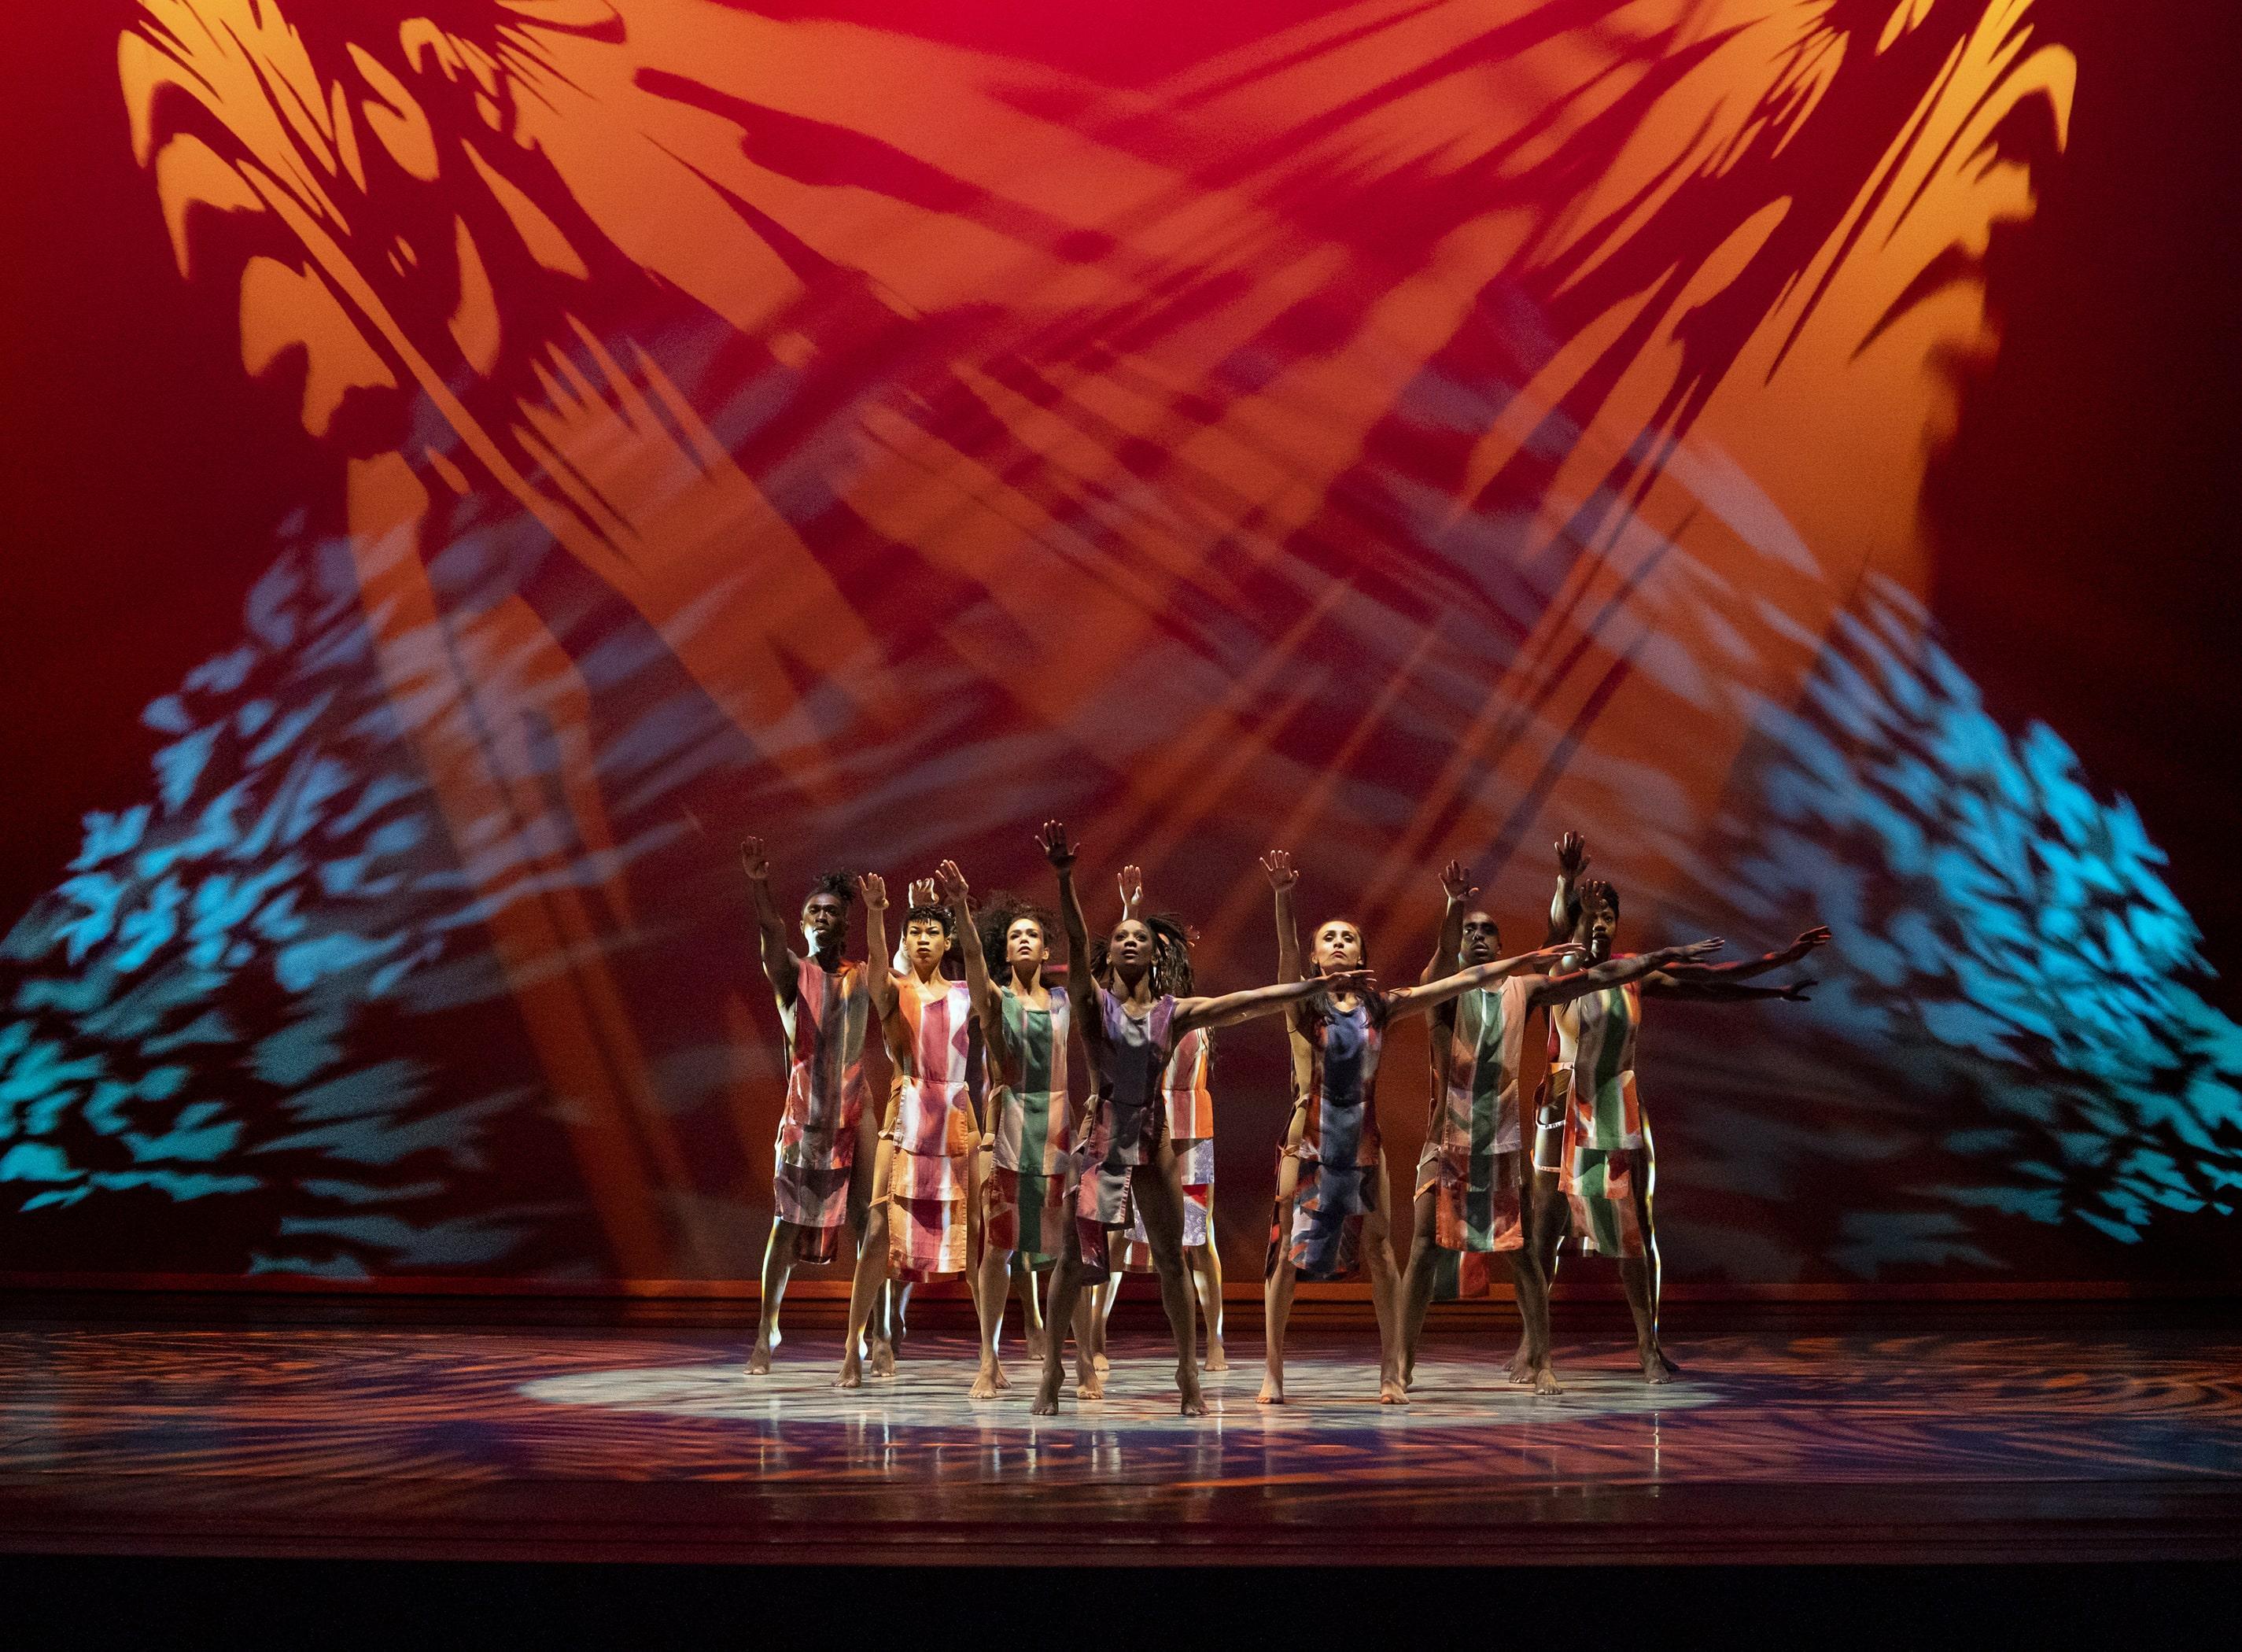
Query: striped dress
[932,1174]
[1474,1160]
[816,1148]
[1126,1120]
[1592,1076]
[1191,1126]
[1320,1230]
[1025,1201]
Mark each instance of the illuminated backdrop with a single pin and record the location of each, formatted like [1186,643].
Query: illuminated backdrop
[1387,431]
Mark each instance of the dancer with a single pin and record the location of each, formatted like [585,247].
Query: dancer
[1330,1216]
[1191,1128]
[926,1174]
[1471,1178]
[1023,1034]
[1125,1156]
[821,1177]
[1592,1140]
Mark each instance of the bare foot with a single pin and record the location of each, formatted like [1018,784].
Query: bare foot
[1002,1380]
[1046,1403]
[883,1358]
[1392,1391]
[1273,1389]
[1216,1359]
[1193,1403]
[1657,1367]
[1089,1384]
[1038,1347]
[1521,1368]
[1103,1364]
[759,1361]
[1409,1372]
[987,1381]
[852,1371]
[1545,1381]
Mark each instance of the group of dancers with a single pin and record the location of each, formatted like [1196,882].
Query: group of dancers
[1018,1183]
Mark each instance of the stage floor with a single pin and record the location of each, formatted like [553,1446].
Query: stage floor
[1972,1442]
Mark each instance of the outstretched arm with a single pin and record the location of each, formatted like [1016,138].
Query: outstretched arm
[1456,885]
[1706,984]
[1233,1007]
[1572,861]
[1614,972]
[1081,990]
[1417,999]
[879,974]
[1709,975]
[779,967]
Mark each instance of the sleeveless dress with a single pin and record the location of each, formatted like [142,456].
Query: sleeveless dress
[1592,1100]
[816,1148]
[1024,1204]
[1126,1121]
[1320,1230]
[934,1138]
[1191,1118]
[1475,1156]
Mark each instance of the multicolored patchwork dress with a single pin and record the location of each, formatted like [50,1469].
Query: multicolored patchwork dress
[932,1172]
[1127,1119]
[1191,1126]
[1320,1230]
[1474,1159]
[1026,1200]
[1591,1088]
[816,1148]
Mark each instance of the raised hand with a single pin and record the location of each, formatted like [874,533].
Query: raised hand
[1132,888]
[1572,855]
[1056,849]
[1800,991]
[872,890]
[1456,885]
[756,864]
[950,882]
[1278,862]
[1818,935]
[922,891]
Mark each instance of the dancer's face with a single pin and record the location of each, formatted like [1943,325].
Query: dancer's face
[1598,924]
[925,943]
[1339,946]
[1482,940]
[824,920]
[1130,948]
[1025,942]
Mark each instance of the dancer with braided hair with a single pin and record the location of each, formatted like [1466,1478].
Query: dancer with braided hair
[1595,1169]
[1125,1157]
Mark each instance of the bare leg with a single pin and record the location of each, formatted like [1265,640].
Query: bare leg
[1417,1280]
[1533,1294]
[1384,1294]
[1032,1308]
[1206,1263]
[1639,1276]
[1102,1296]
[1549,1218]
[897,1301]
[871,1270]
[989,1304]
[778,1265]
[1059,1310]
[1277,1290]
[860,1216]
[1159,1195]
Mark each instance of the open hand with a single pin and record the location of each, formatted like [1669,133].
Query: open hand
[922,891]
[1455,883]
[1818,935]
[1278,862]
[1572,855]
[1556,954]
[1056,847]
[1132,889]
[1342,983]
[872,890]
[753,861]
[1694,951]
[1800,991]
[950,882]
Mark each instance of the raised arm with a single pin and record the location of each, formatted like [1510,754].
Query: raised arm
[1417,999]
[952,883]
[879,976]
[1572,861]
[1456,885]
[1132,883]
[1059,850]
[779,967]
[1233,1007]
[1615,972]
